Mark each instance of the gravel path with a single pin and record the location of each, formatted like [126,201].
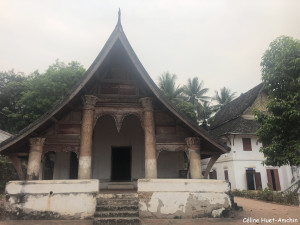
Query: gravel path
[255,212]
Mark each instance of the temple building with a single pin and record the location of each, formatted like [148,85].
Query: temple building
[114,126]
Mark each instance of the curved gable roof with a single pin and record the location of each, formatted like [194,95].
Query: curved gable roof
[237,107]
[117,35]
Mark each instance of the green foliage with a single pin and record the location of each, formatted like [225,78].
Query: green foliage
[280,127]
[8,172]
[204,113]
[286,198]
[188,109]
[12,85]
[35,94]
[190,99]
[195,92]
[225,96]
[167,83]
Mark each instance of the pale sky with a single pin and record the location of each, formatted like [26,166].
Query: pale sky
[220,41]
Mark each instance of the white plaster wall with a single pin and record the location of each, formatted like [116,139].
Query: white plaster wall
[187,198]
[106,135]
[169,163]
[61,166]
[240,154]
[238,161]
[67,199]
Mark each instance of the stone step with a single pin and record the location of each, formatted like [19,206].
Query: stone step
[121,195]
[120,186]
[116,208]
[117,221]
[121,201]
[116,214]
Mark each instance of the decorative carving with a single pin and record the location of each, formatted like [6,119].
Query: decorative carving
[89,101]
[147,103]
[118,114]
[119,120]
[37,141]
[193,142]
[170,147]
[61,148]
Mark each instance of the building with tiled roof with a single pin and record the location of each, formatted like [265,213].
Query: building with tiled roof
[236,127]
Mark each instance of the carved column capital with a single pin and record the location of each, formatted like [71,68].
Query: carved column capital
[89,101]
[147,103]
[37,141]
[193,142]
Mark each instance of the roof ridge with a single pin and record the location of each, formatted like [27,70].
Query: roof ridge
[242,109]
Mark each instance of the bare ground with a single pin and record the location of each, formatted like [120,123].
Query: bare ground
[255,212]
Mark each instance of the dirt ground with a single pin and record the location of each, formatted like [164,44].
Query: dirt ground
[255,212]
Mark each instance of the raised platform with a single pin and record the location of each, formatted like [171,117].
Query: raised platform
[184,198]
[51,199]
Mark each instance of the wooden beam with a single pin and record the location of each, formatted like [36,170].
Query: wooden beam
[210,164]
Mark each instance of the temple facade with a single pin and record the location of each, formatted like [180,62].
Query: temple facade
[116,127]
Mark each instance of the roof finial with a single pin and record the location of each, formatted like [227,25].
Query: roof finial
[119,18]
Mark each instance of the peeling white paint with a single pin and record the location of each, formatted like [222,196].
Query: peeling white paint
[67,198]
[190,185]
[166,198]
[168,202]
[85,162]
[217,212]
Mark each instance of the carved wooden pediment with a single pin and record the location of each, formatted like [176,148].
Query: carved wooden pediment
[118,113]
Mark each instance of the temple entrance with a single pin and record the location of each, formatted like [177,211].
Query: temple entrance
[120,163]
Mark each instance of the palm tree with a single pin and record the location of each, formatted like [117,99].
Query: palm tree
[195,92]
[225,96]
[167,83]
[204,113]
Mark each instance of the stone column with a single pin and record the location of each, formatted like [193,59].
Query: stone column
[150,139]
[193,144]
[85,155]
[35,156]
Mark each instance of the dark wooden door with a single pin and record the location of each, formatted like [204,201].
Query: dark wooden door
[121,164]
[250,179]
[273,179]
[258,181]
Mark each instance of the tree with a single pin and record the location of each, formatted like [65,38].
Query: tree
[37,94]
[280,126]
[195,92]
[225,96]
[167,83]
[12,86]
[188,109]
[204,113]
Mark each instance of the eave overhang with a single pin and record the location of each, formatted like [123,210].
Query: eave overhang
[117,34]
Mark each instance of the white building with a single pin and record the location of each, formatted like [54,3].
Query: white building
[234,124]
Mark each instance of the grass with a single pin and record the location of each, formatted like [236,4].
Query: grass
[288,198]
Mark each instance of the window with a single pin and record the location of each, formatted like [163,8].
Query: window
[213,174]
[247,144]
[273,179]
[226,174]
[253,179]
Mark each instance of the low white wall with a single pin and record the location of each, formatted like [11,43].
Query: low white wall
[51,199]
[184,198]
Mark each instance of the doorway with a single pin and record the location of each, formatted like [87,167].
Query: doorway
[121,164]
